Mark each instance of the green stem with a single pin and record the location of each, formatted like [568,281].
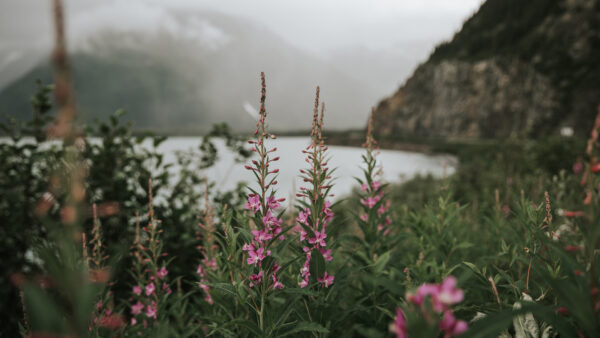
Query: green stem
[260,315]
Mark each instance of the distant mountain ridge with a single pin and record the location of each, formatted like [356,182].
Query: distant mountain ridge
[515,67]
[184,77]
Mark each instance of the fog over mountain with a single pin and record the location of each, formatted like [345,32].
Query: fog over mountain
[179,68]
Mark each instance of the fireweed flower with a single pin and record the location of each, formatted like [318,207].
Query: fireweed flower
[375,214]
[162,273]
[208,247]
[151,281]
[439,298]
[315,210]
[399,325]
[263,204]
[326,280]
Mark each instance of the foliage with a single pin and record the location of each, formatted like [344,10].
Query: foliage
[507,245]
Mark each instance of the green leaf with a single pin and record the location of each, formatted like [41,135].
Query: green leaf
[44,314]
[306,326]
[317,264]
[381,262]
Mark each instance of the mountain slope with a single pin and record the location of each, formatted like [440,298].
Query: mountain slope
[196,71]
[527,67]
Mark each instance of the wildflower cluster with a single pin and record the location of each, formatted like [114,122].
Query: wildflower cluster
[151,283]
[372,197]
[263,204]
[315,211]
[433,301]
[208,247]
[103,315]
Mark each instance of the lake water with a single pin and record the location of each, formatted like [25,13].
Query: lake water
[397,165]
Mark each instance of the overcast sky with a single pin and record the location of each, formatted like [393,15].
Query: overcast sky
[317,26]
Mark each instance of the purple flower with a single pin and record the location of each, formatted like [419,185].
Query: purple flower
[201,270]
[303,216]
[442,295]
[248,247]
[257,256]
[162,273]
[370,201]
[261,235]
[150,289]
[256,278]
[151,310]
[399,325]
[272,203]
[253,203]
[137,308]
[319,238]
[210,264]
[276,283]
[326,254]
[270,221]
[449,294]
[451,326]
[326,280]
[328,212]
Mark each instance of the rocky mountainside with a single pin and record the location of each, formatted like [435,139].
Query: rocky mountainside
[201,68]
[516,67]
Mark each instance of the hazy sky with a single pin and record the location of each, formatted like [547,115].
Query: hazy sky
[318,26]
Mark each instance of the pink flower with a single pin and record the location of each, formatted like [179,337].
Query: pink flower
[137,308]
[256,278]
[326,280]
[137,290]
[273,204]
[162,273]
[257,256]
[276,283]
[150,289]
[442,296]
[304,282]
[328,212]
[210,264]
[271,221]
[253,203]
[151,310]
[133,321]
[369,202]
[326,254]
[381,209]
[364,217]
[399,325]
[577,167]
[201,270]
[248,247]
[364,187]
[319,238]
[302,234]
[375,185]
[451,326]
[448,293]
[261,235]
[303,216]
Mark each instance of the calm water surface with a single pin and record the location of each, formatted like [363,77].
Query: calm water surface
[397,165]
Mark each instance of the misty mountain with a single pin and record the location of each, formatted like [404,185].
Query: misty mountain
[515,67]
[197,69]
